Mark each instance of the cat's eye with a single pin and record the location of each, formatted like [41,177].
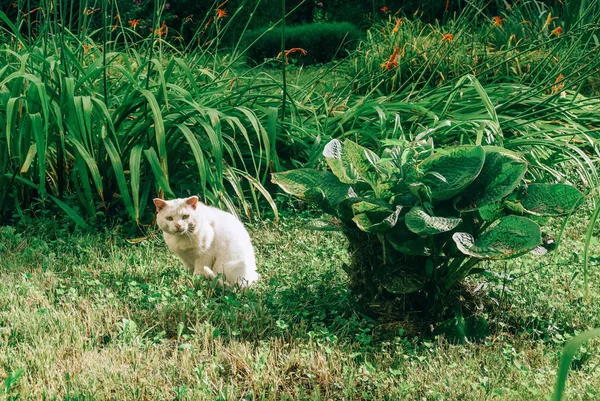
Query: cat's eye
[170,218]
[185,216]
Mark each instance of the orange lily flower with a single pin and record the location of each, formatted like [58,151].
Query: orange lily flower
[117,19]
[549,19]
[89,11]
[556,31]
[497,21]
[134,23]
[163,30]
[221,13]
[398,23]
[86,48]
[557,87]
[290,51]
[393,60]
[448,38]
[385,9]
[210,20]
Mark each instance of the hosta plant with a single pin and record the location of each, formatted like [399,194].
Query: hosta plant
[421,219]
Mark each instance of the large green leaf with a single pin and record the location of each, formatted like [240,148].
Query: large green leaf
[371,206]
[362,160]
[345,172]
[352,163]
[419,222]
[500,175]
[511,237]
[451,170]
[551,199]
[375,220]
[312,185]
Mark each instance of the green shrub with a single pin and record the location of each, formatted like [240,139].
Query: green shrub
[323,41]
[99,135]
[419,219]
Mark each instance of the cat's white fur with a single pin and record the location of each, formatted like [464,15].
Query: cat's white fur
[209,241]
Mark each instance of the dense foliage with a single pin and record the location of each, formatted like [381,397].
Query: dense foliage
[418,218]
[99,120]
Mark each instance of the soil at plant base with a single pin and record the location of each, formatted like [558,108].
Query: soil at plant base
[415,314]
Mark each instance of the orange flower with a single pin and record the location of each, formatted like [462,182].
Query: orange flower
[210,20]
[86,48]
[393,60]
[292,50]
[398,23]
[448,38]
[558,84]
[89,11]
[556,31]
[163,30]
[221,13]
[385,9]
[549,19]
[134,23]
[497,21]
[447,5]
[117,19]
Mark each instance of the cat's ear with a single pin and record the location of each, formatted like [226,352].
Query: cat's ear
[160,204]
[192,201]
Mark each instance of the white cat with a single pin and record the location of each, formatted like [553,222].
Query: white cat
[209,241]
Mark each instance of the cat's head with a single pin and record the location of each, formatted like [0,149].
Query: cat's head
[177,216]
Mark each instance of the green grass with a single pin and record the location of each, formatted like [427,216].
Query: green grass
[92,317]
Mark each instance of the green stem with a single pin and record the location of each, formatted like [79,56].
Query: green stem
[586,250]
[283,61]
[458,271]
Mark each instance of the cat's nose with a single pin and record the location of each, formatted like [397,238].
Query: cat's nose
[177,226]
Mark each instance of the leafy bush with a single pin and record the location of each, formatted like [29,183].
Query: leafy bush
[102,133]
[421,219]
[323,41]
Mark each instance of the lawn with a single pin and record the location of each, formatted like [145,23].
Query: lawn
[90,316]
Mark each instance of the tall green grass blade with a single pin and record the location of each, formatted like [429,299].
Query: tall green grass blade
[40,143]
[135,162]
[201,162]
[159,174]
[119,172]
[586,248]
[91,164]
[565,360]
